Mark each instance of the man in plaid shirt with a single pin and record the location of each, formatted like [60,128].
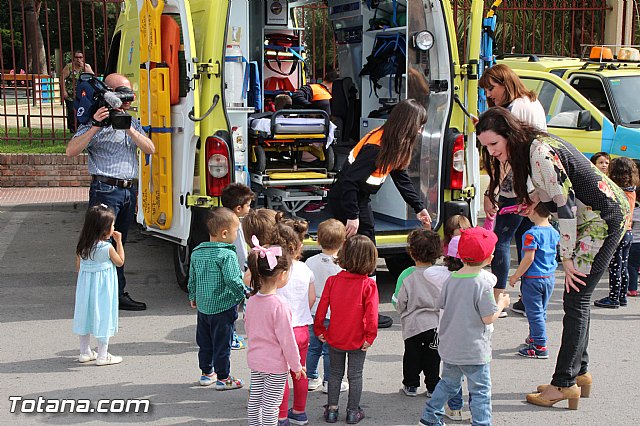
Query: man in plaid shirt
[215,289]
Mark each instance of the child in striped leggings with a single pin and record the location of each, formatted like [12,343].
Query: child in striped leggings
[273,349]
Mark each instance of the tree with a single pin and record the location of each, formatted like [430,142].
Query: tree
[36,55]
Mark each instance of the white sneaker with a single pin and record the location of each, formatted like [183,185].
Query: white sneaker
[344,386]
[455,415]
[109,360]
[503,314]
[88,357]
[315,383]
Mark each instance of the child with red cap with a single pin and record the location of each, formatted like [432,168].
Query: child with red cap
[468,312]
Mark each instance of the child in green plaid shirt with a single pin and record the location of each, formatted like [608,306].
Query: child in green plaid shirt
[215,289]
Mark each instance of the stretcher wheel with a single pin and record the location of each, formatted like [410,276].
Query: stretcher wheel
[329,158]
[260,164]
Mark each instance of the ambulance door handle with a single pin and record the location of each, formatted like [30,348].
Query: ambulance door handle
[216,99]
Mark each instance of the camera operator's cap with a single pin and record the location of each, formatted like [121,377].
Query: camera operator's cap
[452,248]
[476,244]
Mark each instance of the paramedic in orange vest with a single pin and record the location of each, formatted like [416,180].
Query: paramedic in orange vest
[382,152]
[315,96]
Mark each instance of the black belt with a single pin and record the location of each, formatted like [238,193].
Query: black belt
[120,183]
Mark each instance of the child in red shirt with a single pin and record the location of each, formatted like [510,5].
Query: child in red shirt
[353,298]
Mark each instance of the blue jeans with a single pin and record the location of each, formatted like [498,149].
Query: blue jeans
[536,293]
[123,203]
[633,266]
[506,228]
[479,378]
[316,349]
[214,334]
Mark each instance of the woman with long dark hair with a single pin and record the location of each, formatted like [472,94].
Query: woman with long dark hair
[591,212]
[384,151]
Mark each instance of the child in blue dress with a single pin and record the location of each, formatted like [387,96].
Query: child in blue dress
[96,310]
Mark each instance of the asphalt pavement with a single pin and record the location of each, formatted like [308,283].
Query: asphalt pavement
[38,352]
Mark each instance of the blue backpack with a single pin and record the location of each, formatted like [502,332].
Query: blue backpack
[388,58]
[88,91]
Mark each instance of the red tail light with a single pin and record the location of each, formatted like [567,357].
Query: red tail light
[218,166]
[457,163]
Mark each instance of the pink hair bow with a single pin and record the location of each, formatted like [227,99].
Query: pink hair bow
[270,253]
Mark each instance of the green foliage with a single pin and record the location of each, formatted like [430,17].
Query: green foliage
[37,141]
[318,37]
[80,22]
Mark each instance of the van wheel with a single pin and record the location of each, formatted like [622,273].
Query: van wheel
[181,259]
[397,263]
[329,158]
[261,160]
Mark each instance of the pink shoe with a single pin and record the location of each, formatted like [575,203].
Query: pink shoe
[632,293]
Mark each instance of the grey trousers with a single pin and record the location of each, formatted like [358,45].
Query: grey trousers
[354,375]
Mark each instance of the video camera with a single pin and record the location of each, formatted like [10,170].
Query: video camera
[92,93]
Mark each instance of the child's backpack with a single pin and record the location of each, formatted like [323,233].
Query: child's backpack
[388,58]
[89,89]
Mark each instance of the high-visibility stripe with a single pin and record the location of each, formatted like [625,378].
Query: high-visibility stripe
[374,137]
[320,93]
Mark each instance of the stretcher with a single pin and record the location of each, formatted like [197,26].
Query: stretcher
[287,134]
[291,191]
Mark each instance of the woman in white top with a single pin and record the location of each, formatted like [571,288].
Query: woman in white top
[504,88]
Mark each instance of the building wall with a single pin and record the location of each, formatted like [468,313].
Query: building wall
[43,170]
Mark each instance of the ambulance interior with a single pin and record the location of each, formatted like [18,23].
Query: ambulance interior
[289,179]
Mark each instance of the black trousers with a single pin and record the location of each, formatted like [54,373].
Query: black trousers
[367,223]
[421,356]
[71,115]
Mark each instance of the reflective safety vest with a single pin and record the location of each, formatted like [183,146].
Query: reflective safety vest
[374,137]
[320,93]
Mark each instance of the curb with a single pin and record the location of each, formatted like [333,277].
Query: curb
[48,206]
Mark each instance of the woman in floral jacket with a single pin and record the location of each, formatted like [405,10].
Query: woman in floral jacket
[591,212]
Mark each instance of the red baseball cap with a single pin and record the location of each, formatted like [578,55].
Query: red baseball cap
[476,244]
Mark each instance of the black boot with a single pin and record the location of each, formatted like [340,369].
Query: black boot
[384,321]
[126,303]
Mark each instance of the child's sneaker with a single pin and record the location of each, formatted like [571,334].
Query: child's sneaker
[108,360]
[297,418]
[229,383]
[455,415]
[410,390]
[354,416]
[623,301]
[236,345]
[314,383]
[207,379]
[88,357]
[330,414]
[534,351]
[284,422]
[428,393]
[607,303]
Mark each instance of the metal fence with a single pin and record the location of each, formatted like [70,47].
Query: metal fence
[540,26]
[39,38]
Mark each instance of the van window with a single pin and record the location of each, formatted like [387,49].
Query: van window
[562,111]
[624,93]
[592,89]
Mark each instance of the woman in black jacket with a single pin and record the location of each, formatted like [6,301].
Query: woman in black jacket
[384,151]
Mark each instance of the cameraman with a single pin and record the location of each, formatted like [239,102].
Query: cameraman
[113,165]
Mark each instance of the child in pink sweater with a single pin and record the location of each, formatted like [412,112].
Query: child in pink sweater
[273,350]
